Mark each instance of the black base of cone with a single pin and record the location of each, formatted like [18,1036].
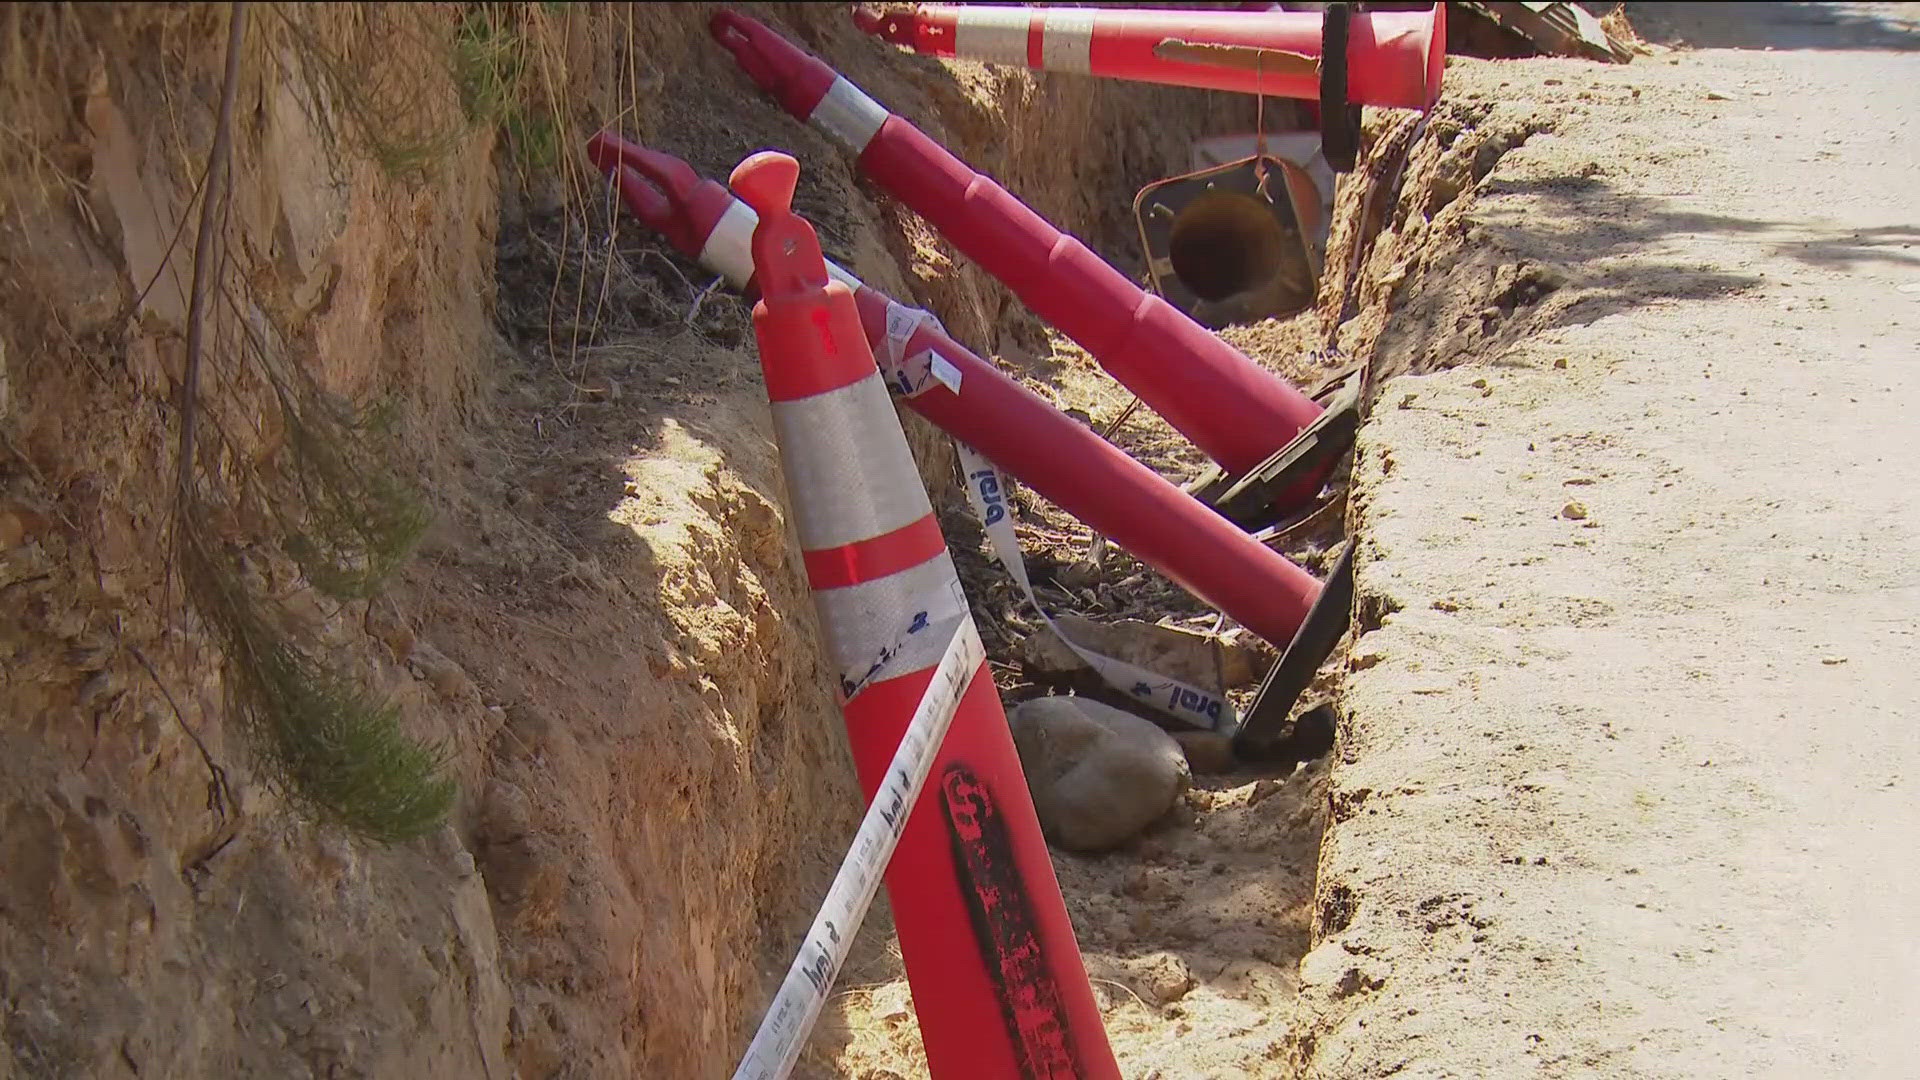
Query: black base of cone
[1249,501]
[1291,675]
[1339,119]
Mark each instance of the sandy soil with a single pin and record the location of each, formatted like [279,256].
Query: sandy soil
[608,624]
[1624,791]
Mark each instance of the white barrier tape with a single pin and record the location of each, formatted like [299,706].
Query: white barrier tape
[797,1004]
[913,375]
[1184,702]
[1189,704]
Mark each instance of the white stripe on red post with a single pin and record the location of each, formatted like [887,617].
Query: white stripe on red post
[1067,44]
[847,465]
[729,250]
[729,247]
[849,115]
[993,35]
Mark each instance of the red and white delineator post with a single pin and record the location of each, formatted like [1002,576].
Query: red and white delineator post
[995,972]
[1395,59]
[1063,460]
[1235,411]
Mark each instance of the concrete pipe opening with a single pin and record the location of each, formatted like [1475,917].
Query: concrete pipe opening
[1227,243]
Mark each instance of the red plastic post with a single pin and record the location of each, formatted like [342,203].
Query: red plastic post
[1395,58]
[996,975]
[1235,411]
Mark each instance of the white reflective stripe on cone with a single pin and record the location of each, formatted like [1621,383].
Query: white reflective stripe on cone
[847,464]
[729,247]
[729,250]
[994,35]
[849,115]
[893,625]
[1067,42]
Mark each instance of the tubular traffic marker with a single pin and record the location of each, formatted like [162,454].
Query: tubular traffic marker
[1235,411]
[796,1005]
[1394,58]
[1011,997]
[1064,460]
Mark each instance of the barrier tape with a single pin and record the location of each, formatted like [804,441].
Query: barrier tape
[796,1006]
[913,375]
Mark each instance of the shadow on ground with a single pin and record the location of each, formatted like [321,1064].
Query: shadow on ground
[1605,221]
[1884,27]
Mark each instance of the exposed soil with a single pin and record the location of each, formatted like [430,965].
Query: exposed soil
[607,625]
[1582,824]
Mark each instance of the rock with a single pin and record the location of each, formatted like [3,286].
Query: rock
[1160,978]
[389,627]
[1079,575]
[1262,791]
[1313,732]
[448,679]
[526,876]
[1208,661]
[1207,751]
[13,529]
[1098,775]
[1150,883]
[1340,973]
[1574,511]
[506,814]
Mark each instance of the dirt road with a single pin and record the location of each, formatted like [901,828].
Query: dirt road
[1632,783]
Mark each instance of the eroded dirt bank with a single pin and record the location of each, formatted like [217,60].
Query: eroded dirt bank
[604,626]
[1621,791]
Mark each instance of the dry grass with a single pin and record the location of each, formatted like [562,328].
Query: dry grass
[333,749]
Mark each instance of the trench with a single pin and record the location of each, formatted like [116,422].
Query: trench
[606,625]
[1193,930]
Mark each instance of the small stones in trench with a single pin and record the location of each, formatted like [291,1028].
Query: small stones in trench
[1098,775]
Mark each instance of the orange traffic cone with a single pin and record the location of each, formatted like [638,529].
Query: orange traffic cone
[991,959]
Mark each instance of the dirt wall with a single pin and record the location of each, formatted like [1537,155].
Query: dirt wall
[605,625]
